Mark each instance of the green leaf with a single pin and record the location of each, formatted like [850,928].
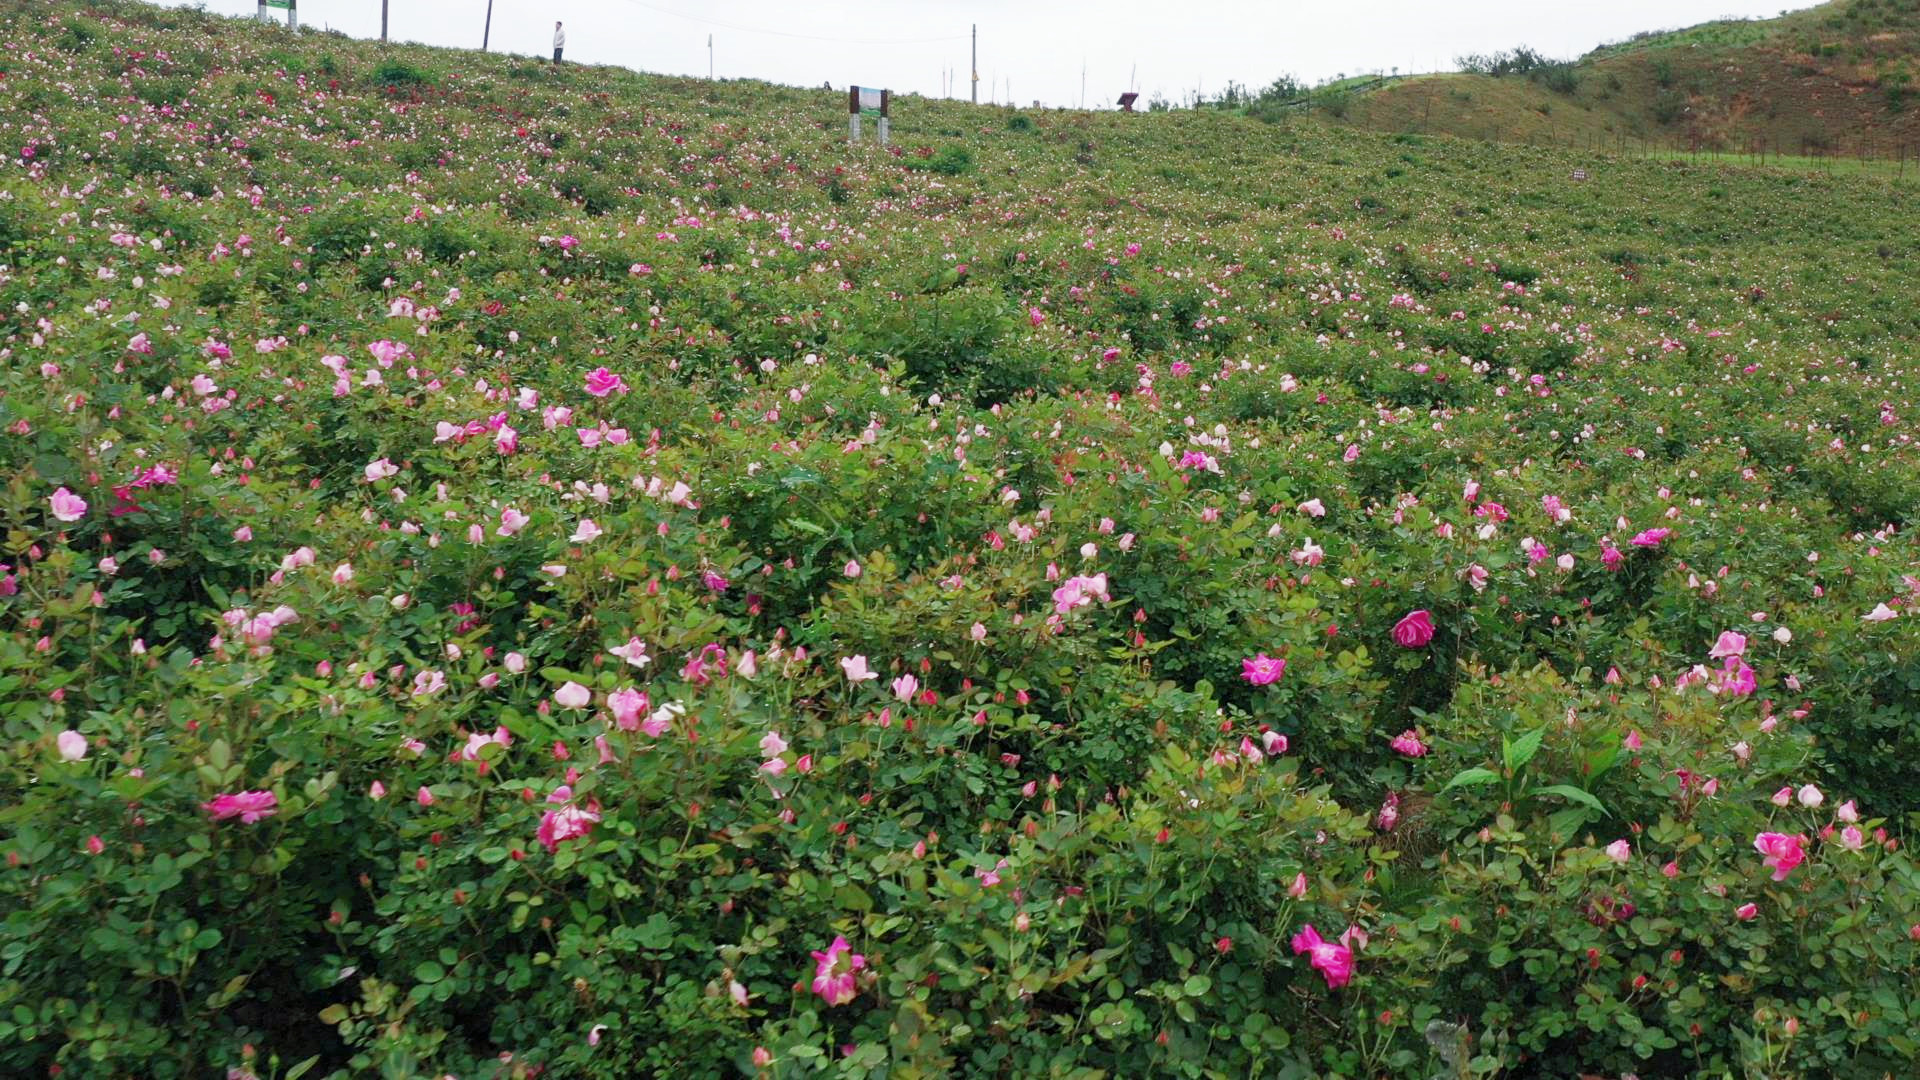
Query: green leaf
[655,933]
[1601,761]
[1522,750]
[429,972]
[1565,823]
[1197,985]
[1471,778]
[853,897]
[1568,791]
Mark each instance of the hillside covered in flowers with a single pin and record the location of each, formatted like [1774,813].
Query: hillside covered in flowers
[521,571]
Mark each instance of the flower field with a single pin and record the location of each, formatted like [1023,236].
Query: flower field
[513,571]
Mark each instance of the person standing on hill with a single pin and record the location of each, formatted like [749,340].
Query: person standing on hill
[559,41]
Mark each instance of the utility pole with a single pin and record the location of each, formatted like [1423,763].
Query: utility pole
[709,57]
[487,30]
[383,20]
[976,63]
[1083,83]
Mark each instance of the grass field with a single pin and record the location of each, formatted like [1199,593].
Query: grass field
[1836,80]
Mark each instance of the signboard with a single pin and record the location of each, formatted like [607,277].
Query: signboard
[278,3]
[1579,174]
[867,101]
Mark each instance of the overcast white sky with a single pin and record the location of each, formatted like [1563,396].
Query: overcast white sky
[1038,46]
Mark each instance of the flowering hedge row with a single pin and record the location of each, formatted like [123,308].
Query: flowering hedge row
[521,571]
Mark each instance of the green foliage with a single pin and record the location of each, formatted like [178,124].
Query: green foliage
[949,160]
[1522,61]
[397,73]
[1055,428]
[76,35]
[1667,107]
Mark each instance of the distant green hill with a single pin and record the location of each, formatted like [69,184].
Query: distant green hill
[1834,79]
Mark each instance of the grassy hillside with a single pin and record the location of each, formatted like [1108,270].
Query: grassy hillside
[518,571]
[1838,79]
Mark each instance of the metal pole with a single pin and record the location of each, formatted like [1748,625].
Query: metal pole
[383,20]
[486,30]
[976,63]
[709,56]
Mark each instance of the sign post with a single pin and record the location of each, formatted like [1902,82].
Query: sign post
[867,101]
[287,4]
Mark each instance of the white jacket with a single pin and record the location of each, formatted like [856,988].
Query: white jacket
[559,38]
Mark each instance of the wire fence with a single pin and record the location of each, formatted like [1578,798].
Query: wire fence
[1838,152]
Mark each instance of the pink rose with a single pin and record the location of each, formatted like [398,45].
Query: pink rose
[1730,644]
[1782,852]
[601,382]
[833,978]
[1262,670]
[1415,630]
[72,745]
[248,806]
[67,506]
[1332,960]
[566,822]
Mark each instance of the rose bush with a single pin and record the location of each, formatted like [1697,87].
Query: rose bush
[514,570]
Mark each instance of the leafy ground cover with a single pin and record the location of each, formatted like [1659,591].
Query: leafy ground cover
[519,571]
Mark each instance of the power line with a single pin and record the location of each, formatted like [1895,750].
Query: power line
[787,34]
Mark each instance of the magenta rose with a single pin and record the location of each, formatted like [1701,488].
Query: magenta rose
[1414,631]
